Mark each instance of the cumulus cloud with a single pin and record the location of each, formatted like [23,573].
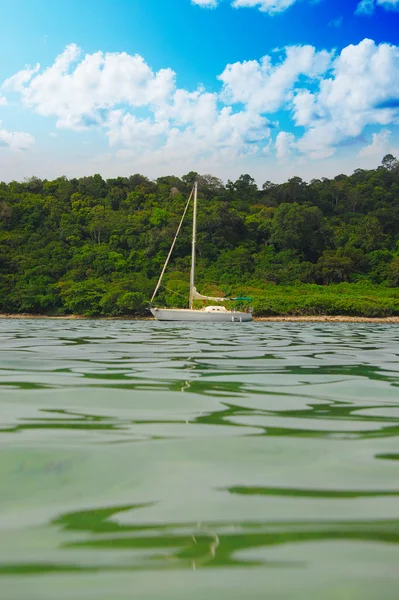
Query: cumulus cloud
[228,135]
[3,100]
[104,90]
[191,124]
[127,130]
[285,143]
[77,93]
[332,98]
[380,145]
[15,140]
[17,82]
[225,137]
[199,107]
[363,89]
[367,7]
[206,3]
[265,87]
[271,7]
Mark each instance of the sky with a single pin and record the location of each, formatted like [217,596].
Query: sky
[273,88]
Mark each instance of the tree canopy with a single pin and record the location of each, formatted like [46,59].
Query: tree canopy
[96,247]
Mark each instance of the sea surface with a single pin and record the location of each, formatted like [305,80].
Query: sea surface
[146,460]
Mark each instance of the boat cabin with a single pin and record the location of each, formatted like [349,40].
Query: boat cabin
[215,309]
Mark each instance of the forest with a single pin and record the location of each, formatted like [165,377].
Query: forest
[96,247]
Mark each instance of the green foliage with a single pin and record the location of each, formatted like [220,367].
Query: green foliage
[393,272]
[299,228]
[343,299]
[82,297]
[96,247]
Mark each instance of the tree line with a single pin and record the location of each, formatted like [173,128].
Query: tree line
[96,247]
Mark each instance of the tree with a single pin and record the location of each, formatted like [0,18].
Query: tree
[190,178]
[295,190]
[93,186]
[393,273]
[97,247]
[244,186]
[299,228]
[389,162]
[210,183]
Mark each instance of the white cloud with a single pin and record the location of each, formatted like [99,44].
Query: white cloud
[76,94]
[363,90]
[228,134]
[285,143]
[104,90]
[389,4]
[206,3]
[380,145]
[367,7]
[222,140]
[145,116]
[337,22]
[185,107]
[191,126]
[127,130]
[271,7]
[3,101]
[15,140]
[305,108]
[17,82]
[265,87]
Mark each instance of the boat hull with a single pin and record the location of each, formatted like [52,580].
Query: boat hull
[183,314]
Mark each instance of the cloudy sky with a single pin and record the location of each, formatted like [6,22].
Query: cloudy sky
[274,88]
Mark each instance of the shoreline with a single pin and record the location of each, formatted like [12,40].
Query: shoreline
[282,319]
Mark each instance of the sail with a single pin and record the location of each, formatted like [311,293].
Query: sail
[197,296]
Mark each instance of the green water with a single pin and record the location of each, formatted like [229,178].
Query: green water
[152,460]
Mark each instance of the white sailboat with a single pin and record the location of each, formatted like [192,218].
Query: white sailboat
[208,313]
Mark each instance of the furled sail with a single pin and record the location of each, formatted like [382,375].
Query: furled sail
[197,296]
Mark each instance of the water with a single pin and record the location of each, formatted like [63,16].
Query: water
[152,460]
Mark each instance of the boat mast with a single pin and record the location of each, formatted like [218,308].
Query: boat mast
[192,272]
[171,248]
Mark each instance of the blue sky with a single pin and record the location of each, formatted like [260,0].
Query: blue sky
[274,88]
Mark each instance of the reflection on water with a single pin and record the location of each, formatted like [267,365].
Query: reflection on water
[188,460]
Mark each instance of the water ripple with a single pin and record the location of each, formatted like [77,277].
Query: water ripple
[134,448]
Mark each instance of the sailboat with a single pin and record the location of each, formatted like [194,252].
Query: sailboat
[208,313]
